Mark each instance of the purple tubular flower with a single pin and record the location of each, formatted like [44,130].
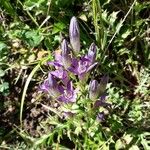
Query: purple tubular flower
[62,58]
[50,86]
[101,116]
[57,63]
[97,89]
[45,86]
[61,74]
[92,53]
[103,84]
[101,101]
[66,58]
[68,94]
[93,90]
[57,55]
[82,68]
[74,34]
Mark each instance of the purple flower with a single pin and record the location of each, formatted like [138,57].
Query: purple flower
[62,58]
[65,56]
[74,34]
[58,59]
[101,116]
[82,68]
[61,74]
[91,53]
[50,86]
[94,90]
[102,102]
[57,63]
[57,55]
[68,94]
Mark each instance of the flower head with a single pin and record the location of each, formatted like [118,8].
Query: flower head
[50,86]
[82,68]
[74,34]
[68,94]
[62,58]
[101,102]
[61,74]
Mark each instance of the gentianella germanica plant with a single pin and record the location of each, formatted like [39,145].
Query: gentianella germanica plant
[78,101]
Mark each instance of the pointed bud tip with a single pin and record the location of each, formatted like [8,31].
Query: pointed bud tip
[73,18]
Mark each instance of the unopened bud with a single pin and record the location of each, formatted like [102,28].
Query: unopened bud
[66,58]
[74,34]
[94,90]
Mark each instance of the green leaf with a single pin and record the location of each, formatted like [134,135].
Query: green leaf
[4,86]
[113,17]
[128,138]
[58,27]
[3,50]
[145,141]
[31,4]
[48,43]
[119,145]
[2,46]
[8,7]
[134,147]
[126,34]
[33,38]
[2,73]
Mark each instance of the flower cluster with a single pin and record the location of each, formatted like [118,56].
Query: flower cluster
[69,65]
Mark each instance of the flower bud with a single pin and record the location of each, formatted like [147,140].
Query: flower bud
[53,88]
[92,53]
[94,90]
[74,34]
[66,58]
[103,84]
[100,117]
